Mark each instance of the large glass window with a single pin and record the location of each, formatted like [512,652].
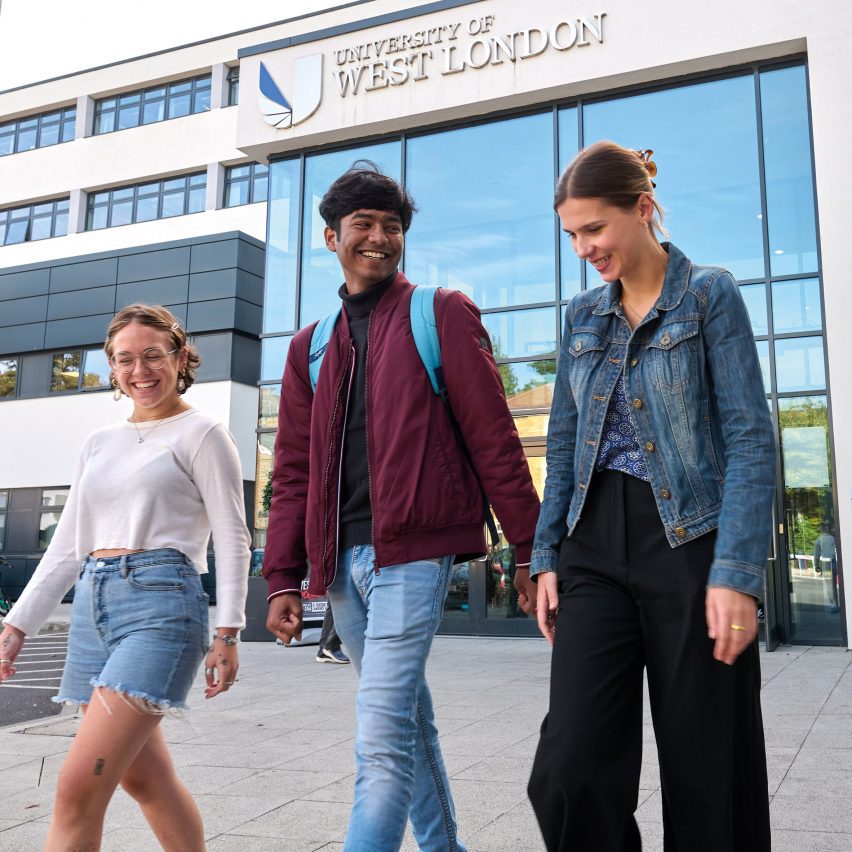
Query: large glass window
[8,377]
[52,502]
[37,131]
[705,144]
[157,103]
[66,374]
[485,225]
[34,222]
[246,184]
[159,199]
[321,276]
[282,247]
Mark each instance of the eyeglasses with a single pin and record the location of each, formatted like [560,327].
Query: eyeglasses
[154,358]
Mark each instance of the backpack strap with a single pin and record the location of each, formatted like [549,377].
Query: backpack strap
[425,332]
[319,343]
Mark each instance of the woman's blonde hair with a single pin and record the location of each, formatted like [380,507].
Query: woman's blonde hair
[614,174]
[161,319]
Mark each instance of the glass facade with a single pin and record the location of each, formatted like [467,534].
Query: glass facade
[37,131]
[246,184]
[34,222]
[8,377]
[736,181]
[157,103]
[159,199]
[66,374]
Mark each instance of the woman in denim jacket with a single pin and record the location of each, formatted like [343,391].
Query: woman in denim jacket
[653,534]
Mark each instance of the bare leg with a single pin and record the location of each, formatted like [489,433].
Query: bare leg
[112,734]
[169,808]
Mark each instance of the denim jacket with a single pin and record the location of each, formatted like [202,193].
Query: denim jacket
[698,407]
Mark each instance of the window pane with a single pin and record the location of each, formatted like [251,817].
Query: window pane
[95,369]
[179,105]
[17,231]
[56,497]
[274,357]
[125,192]
[239,172]
[49,135]
[2,531]
[485,225]
[173,205]
[27,140]
[65,374]
[279,311]
[41,228]
[569,262]
[197,198]
[705,146]
[789,179]
[153,111]
[236,193]
[765,367]
[60,225]
[121,213]
[46,528]
[518,334]
[270,397]
[146,208]
[128,117]
[799,364]
[174,183]
[105,123]
[260,183]
[69,127]
[7,144]
[810,529]
[263,462]
[198,179]
[201,101]
[754,296]
[529,384]
[8,379]
[154,94]
[129,98]
[184,86]
[96,218]
[796,306]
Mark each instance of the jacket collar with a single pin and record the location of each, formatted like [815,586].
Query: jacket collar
[674,285]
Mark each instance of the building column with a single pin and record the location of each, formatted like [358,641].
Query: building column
[85,117]
[219,86]
[215,186]
[77,207]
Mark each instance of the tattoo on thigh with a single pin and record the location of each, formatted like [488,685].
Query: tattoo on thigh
[99,766]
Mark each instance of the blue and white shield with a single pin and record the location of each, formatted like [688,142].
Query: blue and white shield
[277,110]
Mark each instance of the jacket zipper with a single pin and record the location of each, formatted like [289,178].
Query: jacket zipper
[328,470]
[367,443]
[340,465]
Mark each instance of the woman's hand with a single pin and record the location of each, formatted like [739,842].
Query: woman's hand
[547,604]
[731,621]
[220,668]
[11,642]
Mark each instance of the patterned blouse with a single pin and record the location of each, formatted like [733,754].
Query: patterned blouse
[619,449]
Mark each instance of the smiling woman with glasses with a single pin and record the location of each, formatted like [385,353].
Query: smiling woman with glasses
[146,495]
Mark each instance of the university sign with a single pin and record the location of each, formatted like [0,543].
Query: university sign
[411,57]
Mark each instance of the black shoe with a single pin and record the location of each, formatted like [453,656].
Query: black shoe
[326,656]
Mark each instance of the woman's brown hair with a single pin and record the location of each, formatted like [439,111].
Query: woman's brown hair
[614,174]
[161,319]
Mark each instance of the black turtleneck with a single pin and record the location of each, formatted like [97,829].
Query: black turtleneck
[356,516]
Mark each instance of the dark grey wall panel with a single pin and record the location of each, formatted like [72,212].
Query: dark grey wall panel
[23,311]
[215,353]
[153,264]
[215,315]
[81,303]
[249,317]
[250,287]
[245,360]
[34,375]
[219,284]
[159,291]
[219,255]
[82,276]
[252,258]
[22,338]
[80,331]
[180,313]
[18,285]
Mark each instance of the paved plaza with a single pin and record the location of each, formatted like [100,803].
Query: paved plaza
[271,762]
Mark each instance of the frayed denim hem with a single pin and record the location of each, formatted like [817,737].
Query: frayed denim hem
[141,702]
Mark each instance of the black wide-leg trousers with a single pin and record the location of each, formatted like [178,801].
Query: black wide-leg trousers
[628,602]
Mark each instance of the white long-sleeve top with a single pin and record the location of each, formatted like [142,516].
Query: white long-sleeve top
[171,490]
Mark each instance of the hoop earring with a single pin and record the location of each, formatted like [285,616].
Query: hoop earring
[181,384]
[116,389]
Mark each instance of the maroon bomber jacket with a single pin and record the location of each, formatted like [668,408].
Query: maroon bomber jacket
[424,497]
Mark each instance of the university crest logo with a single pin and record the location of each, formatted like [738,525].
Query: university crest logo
[305,88]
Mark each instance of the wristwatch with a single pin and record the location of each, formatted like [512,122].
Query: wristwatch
[227,639]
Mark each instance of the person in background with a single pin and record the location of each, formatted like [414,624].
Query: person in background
[651,544]
[329,650]
[825,560]
[401,503]
[133,534]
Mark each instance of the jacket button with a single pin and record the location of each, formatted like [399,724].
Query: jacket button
[680,532]
[666,494]
[634,362]
[665,340]
[637,403]
[578,346]
[650,447]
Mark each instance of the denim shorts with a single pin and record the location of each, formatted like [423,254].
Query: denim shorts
[138,627]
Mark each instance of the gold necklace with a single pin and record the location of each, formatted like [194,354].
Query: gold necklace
[139,438]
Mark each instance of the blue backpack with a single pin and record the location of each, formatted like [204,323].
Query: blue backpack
[425,332]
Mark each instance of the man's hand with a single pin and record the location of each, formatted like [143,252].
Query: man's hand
[547,605]
[731,621]
[284,619]
[526,589]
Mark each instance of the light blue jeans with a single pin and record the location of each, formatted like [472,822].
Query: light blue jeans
[386,621]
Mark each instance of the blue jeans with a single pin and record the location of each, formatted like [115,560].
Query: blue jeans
[386,621]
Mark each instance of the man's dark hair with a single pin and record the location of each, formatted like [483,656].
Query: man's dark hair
[365,187]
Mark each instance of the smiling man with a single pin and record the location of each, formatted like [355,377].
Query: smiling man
[372,486]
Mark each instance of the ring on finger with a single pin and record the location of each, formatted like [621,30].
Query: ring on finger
[737,627]
[209,671]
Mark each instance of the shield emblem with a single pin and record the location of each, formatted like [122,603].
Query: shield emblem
[306,93]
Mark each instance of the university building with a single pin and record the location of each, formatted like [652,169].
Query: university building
[192,177]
